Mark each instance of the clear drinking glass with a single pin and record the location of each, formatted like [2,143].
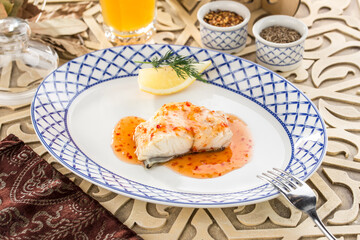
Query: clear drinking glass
[128,21]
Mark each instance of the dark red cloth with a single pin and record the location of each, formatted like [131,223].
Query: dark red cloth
[38,202]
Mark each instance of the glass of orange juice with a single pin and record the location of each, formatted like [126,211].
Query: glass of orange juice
[128,21]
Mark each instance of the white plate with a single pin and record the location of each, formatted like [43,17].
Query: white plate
[76,108]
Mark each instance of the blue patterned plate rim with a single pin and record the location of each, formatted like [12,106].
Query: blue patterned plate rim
[183,198]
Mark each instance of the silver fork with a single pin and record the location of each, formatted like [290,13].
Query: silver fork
[298,193]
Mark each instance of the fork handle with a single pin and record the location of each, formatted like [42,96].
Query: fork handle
[321,225]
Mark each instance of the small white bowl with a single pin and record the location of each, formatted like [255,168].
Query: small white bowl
[280,56]
[226,39]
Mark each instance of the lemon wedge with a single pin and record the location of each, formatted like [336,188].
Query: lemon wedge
[163,80]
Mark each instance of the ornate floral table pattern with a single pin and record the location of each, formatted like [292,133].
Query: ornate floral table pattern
[328,76]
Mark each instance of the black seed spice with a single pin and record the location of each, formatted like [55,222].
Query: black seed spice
[280,34]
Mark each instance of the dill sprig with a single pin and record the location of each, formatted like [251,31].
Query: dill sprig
[183,66]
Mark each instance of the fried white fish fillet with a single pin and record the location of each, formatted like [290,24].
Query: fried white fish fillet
[181,128]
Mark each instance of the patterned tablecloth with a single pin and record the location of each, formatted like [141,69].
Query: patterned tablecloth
[328,76]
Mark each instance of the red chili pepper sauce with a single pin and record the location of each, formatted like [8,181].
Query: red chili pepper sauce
[198,165]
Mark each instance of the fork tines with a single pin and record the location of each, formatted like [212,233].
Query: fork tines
[281,179]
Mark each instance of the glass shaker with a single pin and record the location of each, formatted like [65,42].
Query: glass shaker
[23,63]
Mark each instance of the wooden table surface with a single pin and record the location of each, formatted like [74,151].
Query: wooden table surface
[328,76]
